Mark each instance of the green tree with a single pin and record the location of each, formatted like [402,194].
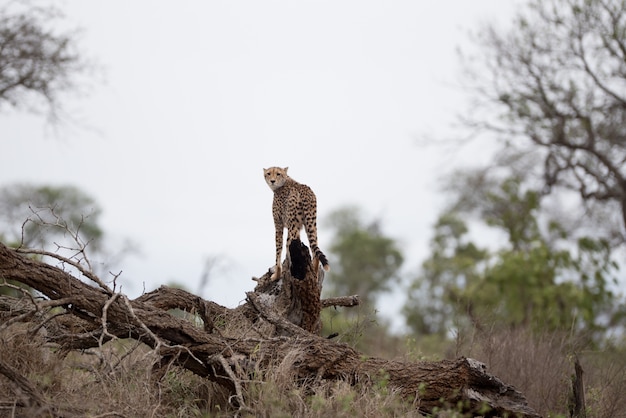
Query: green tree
[432,302]
[554,85]
[40,216]
[37,62]
[58,219]
[365,261]
[540,277]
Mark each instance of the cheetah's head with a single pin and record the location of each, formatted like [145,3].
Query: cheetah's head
[275,177]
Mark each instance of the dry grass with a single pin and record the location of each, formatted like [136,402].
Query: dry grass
[541,366]
[277,396]
[605,381]
[117,381]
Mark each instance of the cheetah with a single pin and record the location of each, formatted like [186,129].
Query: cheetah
[294,207]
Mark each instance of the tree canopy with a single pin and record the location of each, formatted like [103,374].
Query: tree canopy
[37,216]
[555,85]
[366,261]
[539,277]
[37,62]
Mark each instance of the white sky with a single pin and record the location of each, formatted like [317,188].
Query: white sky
[199,96]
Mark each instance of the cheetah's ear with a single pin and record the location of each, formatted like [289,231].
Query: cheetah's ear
[286,168]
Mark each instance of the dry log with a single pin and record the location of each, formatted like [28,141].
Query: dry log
[271,328]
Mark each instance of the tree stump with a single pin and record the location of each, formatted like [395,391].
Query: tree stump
[296,294]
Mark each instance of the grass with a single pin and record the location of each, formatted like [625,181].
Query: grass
[541,365]
[116,380]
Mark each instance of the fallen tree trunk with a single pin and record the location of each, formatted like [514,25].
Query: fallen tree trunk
[278,324]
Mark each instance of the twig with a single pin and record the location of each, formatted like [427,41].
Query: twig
[61,223]
[103,320]
[346,301]
[87,273]
[38,306]
[127,353]
[156,340]
[238,392]
[32,331]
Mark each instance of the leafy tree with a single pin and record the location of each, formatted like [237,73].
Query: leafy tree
[366,262]
[455,263]
[539,278]
[555,84]
[62,219]
[37,62]
[38,216]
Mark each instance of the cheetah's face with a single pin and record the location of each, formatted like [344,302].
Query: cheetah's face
[275,177]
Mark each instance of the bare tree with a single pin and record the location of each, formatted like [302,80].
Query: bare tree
[37,62]
[556,83]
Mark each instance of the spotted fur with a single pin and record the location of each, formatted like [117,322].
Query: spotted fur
[294,207]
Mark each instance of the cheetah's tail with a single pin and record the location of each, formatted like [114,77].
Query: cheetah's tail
[320,256]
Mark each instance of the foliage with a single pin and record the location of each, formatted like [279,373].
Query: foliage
[36,216]
[539,278]
[366,261]
[59,219]
[37,64]
[454,263]
[555,86]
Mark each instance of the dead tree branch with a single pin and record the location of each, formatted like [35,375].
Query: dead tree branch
[273,325]
[345,301]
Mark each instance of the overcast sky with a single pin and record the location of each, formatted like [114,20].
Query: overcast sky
[196,97]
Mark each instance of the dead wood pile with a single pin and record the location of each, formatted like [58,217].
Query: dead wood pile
[279,323]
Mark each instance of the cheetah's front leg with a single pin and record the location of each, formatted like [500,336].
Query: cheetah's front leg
[279,250]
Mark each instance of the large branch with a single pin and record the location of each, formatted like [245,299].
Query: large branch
[218,354]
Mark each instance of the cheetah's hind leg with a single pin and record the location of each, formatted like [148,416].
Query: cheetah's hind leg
[277,272]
